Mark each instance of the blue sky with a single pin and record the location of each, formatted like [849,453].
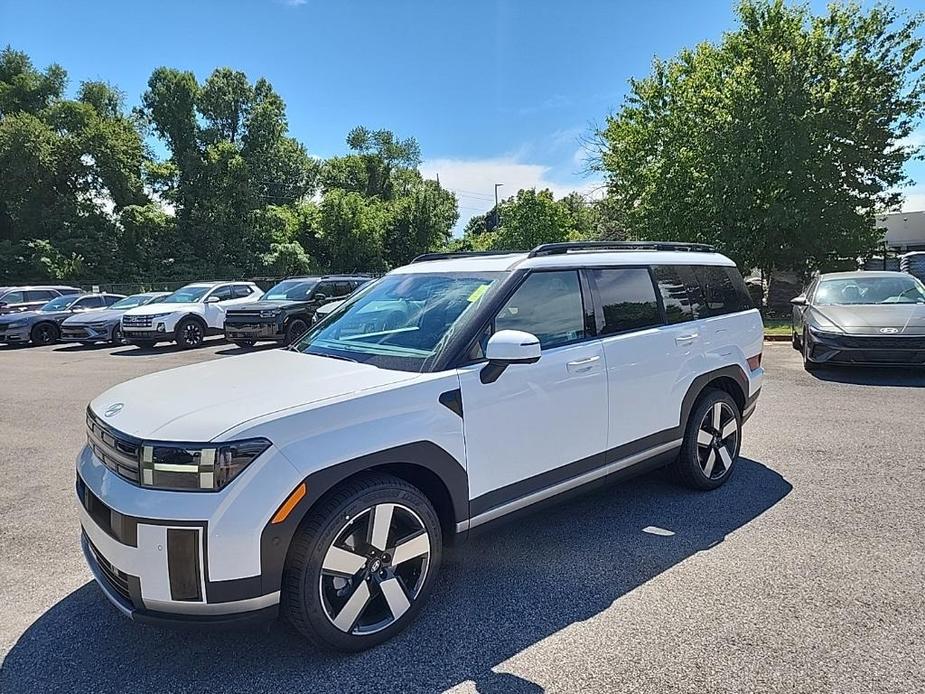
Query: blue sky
[494,91]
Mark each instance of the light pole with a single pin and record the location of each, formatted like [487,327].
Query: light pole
[497,209]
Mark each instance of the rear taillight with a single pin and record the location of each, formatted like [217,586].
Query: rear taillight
[754,362]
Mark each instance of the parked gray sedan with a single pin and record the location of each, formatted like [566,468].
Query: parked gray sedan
[43,327]
[105,325]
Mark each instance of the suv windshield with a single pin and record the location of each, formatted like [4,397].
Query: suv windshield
[870,290]
[400,321]
[132,301]
[290,290]
[187,295]
[59,303]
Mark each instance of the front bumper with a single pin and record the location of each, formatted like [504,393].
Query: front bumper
[254,329]
[158,335]
[866,350]
[14,335]
[86,333]
[185,557]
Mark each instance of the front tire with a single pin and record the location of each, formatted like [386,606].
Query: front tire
[806,349]
[795,339]
[362,563]
[44,334]
[190,333]
[115,338]
[296,329]
[712,441]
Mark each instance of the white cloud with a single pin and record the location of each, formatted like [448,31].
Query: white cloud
[914,199]
[473,181]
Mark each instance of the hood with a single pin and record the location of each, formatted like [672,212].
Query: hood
[201,401]
[8,318]
[105,315]
[264,305]
[32,316]
[908,319]
[153,309]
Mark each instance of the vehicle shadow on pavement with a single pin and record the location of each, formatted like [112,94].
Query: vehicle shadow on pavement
[233,350]
[162,348]
[499,593]
[872,376]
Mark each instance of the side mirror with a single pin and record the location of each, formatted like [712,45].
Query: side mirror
[213,300]
[799,300]
[508,347]
[320,297]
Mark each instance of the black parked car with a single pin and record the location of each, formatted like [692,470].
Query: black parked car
[873,318]
[19,299]
[285,312]
[43,327]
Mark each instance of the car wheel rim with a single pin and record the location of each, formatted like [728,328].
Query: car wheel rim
[192,334]
[374,569]
[44,335]
[717,441]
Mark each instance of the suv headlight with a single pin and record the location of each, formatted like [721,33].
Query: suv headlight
[269,313]
[197,468]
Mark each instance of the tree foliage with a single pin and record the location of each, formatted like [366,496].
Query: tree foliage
[83,197]
[530,218]
[778,143]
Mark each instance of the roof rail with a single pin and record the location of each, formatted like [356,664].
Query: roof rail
[458,254]
[601,246]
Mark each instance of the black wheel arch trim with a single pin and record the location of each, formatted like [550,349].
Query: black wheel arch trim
[276,538]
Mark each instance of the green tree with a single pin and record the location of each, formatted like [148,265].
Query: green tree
[69,168]
[778,143]
[230,160]
[528,219]
[350,236]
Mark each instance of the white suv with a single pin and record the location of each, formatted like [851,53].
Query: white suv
[187,315]
[323,480]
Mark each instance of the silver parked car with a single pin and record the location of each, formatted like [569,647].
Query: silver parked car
[105,325]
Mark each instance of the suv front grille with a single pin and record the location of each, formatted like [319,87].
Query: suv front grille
[117,451]
[137,321]
[117,580]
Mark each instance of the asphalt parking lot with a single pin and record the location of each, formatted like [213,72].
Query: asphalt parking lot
[804,573]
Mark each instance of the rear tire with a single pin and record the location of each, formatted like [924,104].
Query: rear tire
[190,333]
[712,441]
[44,334]
[362,563]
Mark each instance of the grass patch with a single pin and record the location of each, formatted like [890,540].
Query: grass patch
[777,326]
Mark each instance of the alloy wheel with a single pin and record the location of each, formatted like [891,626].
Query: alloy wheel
[374,569]
[192,334]
[717,441]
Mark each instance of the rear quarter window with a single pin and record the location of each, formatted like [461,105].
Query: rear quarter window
[723,289]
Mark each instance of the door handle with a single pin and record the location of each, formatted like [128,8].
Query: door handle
[684,339]
[582,365]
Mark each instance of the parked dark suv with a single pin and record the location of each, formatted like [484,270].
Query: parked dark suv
[285,312]
[18,299]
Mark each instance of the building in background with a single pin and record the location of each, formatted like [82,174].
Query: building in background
[904,231]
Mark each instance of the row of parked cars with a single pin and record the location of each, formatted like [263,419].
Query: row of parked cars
[239,310]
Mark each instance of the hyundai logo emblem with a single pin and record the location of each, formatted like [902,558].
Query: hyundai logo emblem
[113,409]
[890,331]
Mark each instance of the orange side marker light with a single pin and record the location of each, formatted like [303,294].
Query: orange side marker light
[289,504]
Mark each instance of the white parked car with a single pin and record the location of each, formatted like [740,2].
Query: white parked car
[323,481]
[188,315]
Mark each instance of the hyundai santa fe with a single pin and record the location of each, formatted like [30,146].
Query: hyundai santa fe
[321,482]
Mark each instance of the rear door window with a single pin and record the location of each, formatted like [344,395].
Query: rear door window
[241,291]
[675,299]
[110,299]
[548,305]
[342,288]
[625,299]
